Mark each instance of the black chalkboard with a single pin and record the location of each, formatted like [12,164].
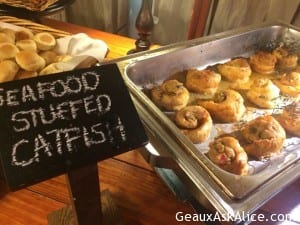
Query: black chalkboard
[53,124]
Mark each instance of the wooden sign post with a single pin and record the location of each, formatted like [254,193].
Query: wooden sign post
[66,123]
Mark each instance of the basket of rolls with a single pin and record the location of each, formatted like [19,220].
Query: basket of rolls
[33,5]
[28,49]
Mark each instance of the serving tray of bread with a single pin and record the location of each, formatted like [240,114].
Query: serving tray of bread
[29,49]
[225,108]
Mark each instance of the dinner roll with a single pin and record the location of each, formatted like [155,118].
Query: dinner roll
[30,61]
[10,33]
[63,58]
[51,68]
[22,74]
[8,51]
[48,56]
[27,44]
[23,35]
[5,38]
[45,41]
[8,70]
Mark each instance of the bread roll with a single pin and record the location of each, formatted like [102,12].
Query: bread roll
[263,62]
[48,56]
[45,41]
[235,70]
[264,137]
[63,58]
[22,74]
[27,44]
[5,38]
[228,154]
[170,95]
[11,33]
[23,35]
[202,81]
[30,61]
[8,70]
[8,51]
[51,68]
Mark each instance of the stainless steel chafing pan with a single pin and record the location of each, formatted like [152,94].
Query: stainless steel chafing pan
[227,193]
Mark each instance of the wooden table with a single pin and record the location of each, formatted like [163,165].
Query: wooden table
[140,195]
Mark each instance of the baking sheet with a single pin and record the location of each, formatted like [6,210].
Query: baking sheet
[152,71]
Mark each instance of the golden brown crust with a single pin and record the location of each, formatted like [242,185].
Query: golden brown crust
[30,61]
[262,93]
[284,59]
[235,70]
[8,51]
[263,62]
[227,106]
[45,41]
[227,153]
[23,34]
[289,84]
[195,122]
[27,44]
[290,118]
[202,81]
[170,95]
[6,38]
[11,33]
[48,56]
[50,69]
[22,74]
[8,70]
[264,137]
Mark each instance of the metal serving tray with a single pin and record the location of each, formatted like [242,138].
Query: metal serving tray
[169,148]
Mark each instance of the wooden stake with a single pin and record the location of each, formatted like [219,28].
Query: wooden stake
[85,191]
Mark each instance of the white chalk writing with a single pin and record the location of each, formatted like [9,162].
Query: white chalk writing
[66,140]
[70,120]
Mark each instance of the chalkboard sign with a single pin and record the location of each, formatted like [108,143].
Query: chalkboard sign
[53,124]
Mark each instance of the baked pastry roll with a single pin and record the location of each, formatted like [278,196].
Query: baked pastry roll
[262,93]
[263,62]
[284,59]
[202,81]
[170,95]
[227,153]
[235,70]
[194,122]
[290,118]
[263,137]
[289,84]
[227,106]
